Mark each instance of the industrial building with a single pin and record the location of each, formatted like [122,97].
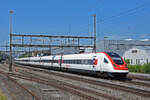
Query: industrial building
[136,56]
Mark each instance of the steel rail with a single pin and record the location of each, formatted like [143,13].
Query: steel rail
[138,83]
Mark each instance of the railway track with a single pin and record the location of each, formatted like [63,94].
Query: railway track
[104,84]
[83,92]
[138,83]
[139,92]
[126,80]
[20,86]
[139,78]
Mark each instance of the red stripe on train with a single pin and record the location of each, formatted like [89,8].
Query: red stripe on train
[116,66]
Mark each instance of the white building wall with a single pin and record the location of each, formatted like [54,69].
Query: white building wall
[136,56]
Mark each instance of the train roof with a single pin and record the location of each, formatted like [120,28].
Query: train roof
[69,55]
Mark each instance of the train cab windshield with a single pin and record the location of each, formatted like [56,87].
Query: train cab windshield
[116,58]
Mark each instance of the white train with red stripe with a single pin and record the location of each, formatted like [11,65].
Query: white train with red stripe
[100,63]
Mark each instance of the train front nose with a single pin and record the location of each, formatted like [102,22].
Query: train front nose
[120,71]
[120,67]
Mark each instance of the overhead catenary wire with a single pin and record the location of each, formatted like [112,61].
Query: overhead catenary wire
[128,12]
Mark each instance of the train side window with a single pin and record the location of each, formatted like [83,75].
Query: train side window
[78,61]
[90,62]
[105,60]
[74,61]
[86,62]
[67,61]
[83,62]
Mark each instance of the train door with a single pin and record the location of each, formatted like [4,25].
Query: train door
[100,63]
[61,61]
[105,64]
[94,62]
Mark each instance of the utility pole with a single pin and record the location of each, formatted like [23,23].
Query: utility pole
[10,58]
[94,49]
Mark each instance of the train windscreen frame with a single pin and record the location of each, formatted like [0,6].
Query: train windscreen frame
[116,58]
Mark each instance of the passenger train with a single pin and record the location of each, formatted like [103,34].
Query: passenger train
[101,63]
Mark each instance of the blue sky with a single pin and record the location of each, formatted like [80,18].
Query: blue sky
[73,17]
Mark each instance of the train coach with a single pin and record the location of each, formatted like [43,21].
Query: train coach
[101,63]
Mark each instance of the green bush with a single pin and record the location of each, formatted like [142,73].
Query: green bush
[147,67]
[140,68]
